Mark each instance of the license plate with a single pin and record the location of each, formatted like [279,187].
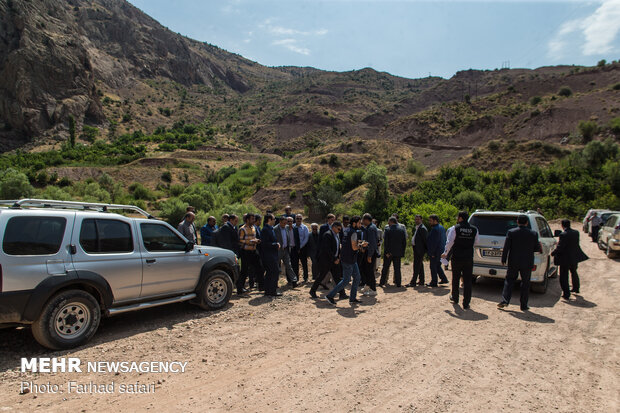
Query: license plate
[491,253]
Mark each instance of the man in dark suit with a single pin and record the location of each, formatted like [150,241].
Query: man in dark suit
[269,256]
[519,248]
[568,255]
[313,249]
[284,237]
[420,248]
[326,226]
[394,245]
[436,243]
[369,256]
[329,258]
[228,237]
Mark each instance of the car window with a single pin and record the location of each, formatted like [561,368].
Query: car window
[105,236]
[612,221]
[543,228]
[157,237]
[33,235]
[494,225]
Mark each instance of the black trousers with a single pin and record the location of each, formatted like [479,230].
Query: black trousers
[324,268]
[462,269]
[511,277]
[418,269]
[296,257]
[395,261]
[368,271]
[564,269]
[250,267]
[257,278]
[272,272]
[315,268]
[595,233]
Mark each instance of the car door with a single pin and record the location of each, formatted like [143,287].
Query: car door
[107,246]
[168,268]
[34,247]
[545,236]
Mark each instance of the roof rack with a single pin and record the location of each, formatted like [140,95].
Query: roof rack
[52,203]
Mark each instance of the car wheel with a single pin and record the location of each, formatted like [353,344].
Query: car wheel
[69,319]
[600,243]
[609,252]
[216,290]
[541,287]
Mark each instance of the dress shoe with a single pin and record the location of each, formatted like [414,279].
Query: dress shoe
[421,283]
[305,279]
[452,300]
[343,296]
[503,304]
[277,294]
[574,291]
[355,301]
[382,285]
[331,300]
[242,292]
[524,308]
[444,282]
[432,285]
[313,294]
[294,284]
[566,297]
[410,285]
[465,307]
[398,285]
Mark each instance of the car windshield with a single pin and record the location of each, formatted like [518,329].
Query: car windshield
[605,216]
[495,225]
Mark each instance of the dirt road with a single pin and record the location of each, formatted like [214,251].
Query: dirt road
[407,350]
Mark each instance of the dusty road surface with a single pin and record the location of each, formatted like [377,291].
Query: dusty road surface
[407,350]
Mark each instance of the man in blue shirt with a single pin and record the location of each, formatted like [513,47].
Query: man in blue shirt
[300,251]
[207,230]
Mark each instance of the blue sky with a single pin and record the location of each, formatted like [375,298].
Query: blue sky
[408,38]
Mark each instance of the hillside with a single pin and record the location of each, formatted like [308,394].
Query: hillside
[147,102]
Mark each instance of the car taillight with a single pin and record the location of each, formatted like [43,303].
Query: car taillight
[534,267]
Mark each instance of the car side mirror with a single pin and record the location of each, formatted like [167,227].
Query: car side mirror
[189,246]
[557,233]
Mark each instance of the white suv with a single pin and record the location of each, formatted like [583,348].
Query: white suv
[492,228]
[64,265]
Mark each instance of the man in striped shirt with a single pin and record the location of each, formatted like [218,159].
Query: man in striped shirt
[249,257]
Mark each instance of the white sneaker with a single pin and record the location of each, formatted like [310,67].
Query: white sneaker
[365,290]
[371,293]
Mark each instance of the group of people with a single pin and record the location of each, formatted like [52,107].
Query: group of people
[348,250]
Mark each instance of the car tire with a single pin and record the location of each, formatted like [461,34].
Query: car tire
[541,287]
[609,252]
[69,319]
[215,291]
[600,243]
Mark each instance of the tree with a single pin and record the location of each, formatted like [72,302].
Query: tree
[14,185]
[326,198]
[601,63]
[71,131]
[377,196]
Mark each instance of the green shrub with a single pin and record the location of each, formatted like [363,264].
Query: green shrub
[333,160]
[89,133]
[614,125]
[173,210]
[166,176]
[415,167]
[565,91]
[176,190]
[493,145]
[377,196]
[601,63]
[587,129]
[469,200]
[535,100]
[139,191]
[616,86]
[292,194]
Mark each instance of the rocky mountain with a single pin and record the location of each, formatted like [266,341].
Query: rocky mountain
[111,66]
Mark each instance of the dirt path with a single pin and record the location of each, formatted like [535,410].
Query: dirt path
[408,350]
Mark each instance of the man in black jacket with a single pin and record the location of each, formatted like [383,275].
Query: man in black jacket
[394,245]
[519,248]
[329,258]
[313,249]
[228,237]
[420,248]
[568,255]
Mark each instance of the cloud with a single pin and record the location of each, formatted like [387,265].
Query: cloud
[291,44]
[595,33]
[289,38]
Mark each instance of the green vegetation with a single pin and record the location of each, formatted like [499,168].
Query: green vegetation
[565,91]
[415,167]
[587,129]
[585,179]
